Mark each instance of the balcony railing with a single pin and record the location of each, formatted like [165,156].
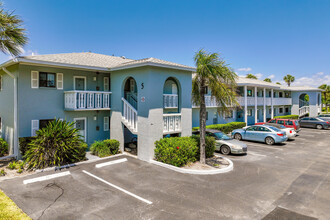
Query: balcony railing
[170,100]
[172,123]
[260,101]
[86,100]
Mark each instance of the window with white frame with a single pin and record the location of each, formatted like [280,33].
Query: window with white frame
[106,123]
[280,110]
[47,80]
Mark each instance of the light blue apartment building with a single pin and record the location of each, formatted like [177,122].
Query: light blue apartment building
[125,99]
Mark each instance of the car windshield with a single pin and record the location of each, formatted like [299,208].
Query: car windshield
[221,136]
[274,129]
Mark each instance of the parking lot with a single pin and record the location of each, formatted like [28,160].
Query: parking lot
[288,180]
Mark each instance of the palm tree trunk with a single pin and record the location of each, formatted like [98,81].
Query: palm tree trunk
[202,122]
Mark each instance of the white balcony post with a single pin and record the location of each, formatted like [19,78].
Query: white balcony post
[255,104]
[245,105]
[264,104]
[272,103]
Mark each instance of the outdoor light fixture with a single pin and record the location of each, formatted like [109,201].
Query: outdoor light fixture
[95,118]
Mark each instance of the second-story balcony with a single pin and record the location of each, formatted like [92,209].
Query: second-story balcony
[86,100]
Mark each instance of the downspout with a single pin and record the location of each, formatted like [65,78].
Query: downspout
[15,150]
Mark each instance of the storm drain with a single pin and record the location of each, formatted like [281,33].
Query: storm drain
[283,214]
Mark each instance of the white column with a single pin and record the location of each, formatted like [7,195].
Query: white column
[245,105]
[255,104]
[234,114]
[272,103]
[265,105]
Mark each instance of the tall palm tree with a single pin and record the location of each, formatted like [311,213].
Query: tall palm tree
[289,79]
[214,73]
[12,35]
[325,93]
[251,76]
[268,80]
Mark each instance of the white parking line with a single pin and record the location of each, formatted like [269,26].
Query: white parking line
[119,188]
[48,177]
[111,162]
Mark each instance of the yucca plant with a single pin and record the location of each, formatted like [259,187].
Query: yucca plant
[57,144]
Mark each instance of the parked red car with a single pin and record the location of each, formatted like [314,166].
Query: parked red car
[289,123]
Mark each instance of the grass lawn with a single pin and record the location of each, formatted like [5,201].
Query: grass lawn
[9,210]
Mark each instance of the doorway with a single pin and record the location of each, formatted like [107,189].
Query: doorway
[81,125]
[79,83]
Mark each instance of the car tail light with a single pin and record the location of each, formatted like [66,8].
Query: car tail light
[290,131]
[328,122]
[279,134]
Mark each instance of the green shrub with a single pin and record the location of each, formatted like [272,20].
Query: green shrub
[209,146]
[105,148]
[225,128]
[20,170]
[12,165]
[2,172]
[3,147]
[24,144]
[55,145]
[177,151]
[288,117]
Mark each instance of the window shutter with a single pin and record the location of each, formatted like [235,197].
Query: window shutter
[106,124]
[34,127]
[106,84]
[59,80]
[34,79]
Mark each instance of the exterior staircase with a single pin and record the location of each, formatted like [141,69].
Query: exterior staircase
[304,110]
[129,116]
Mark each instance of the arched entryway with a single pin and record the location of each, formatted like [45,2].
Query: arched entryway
[171,97]
[130,92]
[303,100]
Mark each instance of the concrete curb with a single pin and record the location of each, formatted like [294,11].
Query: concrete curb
[196,172]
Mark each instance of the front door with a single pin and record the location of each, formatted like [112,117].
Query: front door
[80,83]
[80,124]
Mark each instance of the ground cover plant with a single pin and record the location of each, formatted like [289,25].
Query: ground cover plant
[105,148]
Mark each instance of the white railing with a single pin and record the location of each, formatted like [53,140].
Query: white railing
[303,111]
[172,123]
[303,103]
[282,101]
[132,99]
[87,100]
[170,100]
[209,102]
[130,116]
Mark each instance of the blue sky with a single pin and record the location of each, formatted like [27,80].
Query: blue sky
[267,38]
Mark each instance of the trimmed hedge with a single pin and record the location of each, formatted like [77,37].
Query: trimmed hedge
[225,128]
[288,117]
[105,148]
[209,148]
[177,151]
[3,147]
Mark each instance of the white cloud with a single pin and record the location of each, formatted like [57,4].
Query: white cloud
[258,75]
[315,80]
[271,76]
[245,69]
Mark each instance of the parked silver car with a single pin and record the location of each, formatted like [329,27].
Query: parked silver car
[224,143]
[325,117]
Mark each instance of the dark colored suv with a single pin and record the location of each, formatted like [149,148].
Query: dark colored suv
[289,123]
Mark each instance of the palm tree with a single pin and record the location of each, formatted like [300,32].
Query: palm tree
[251,76]
[12,35]
[268,80]
[214,73]
[325,93]
[288,79]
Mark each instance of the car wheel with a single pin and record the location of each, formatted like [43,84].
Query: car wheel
[238,137]
[225,150]
[319,127]
[270,141]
